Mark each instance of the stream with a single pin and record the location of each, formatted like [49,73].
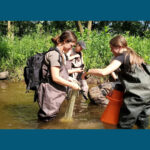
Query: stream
[18,111]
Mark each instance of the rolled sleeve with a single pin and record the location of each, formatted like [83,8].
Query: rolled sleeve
[53,58]
[120,58]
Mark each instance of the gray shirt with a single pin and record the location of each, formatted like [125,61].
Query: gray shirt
[52,58]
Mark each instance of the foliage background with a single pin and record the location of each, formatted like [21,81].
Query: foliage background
[30,38]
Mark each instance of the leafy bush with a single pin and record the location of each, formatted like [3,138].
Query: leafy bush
[14,53]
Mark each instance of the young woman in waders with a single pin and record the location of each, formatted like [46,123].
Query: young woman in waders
[74,61]
[134,75]
[52,94]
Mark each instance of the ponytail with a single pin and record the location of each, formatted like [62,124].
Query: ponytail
[134,57]
[66,36]
[56,40]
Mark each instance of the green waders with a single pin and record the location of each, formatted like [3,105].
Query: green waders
[136,104]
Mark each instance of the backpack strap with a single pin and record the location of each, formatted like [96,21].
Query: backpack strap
[146,68]
[46,77]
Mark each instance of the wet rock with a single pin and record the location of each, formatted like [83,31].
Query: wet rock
[4,75]
[93,80]
[98,93]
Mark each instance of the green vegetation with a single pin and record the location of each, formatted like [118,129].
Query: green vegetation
[14,52]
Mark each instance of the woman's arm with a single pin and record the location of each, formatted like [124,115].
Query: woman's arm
[82,61]
[78,70]
[73,57]
[58,79]
[82,57]
[114,65]
[113,74]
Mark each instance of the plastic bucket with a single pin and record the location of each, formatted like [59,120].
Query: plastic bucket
[112,111]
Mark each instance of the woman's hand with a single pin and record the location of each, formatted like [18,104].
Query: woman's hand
[84,75]
[90,71]
[78,70]
[71,79]
[77,56]
[75,86]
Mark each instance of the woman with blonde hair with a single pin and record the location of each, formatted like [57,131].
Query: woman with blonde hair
[134,75]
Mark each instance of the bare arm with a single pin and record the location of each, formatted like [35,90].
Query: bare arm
[58,79]
[78,70]
[73,57]
[114,65]
[113,74]
[82,60]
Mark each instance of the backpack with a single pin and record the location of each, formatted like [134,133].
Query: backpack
[33,71]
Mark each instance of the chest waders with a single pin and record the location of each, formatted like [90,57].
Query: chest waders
[51,95]
[136,103]
[78,63]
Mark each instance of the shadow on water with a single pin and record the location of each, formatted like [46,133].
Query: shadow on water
[18,111]
[22,115]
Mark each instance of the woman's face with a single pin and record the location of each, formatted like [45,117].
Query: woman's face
[68,46]
[115,50]
[78,48]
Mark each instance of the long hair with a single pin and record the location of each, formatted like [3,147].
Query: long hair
[119,41]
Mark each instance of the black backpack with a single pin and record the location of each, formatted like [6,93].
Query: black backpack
[33,71]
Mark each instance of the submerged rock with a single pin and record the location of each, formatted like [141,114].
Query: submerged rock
[93,80]
[4,75]
[98,93]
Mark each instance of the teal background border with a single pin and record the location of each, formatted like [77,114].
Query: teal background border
[74,10]
[74,139]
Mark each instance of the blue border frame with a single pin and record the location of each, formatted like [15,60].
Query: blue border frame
[74,139]
[74,10]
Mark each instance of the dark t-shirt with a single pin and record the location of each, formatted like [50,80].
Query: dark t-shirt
[124,59]
[134,79]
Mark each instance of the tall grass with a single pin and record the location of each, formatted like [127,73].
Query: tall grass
[14,53]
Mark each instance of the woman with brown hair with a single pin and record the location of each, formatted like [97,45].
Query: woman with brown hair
[52,94]
[134,76]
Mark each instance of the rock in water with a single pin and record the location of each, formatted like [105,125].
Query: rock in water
[4,75]
[93,80]
[98,94]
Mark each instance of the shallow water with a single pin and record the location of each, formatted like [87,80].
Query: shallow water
[18,111]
